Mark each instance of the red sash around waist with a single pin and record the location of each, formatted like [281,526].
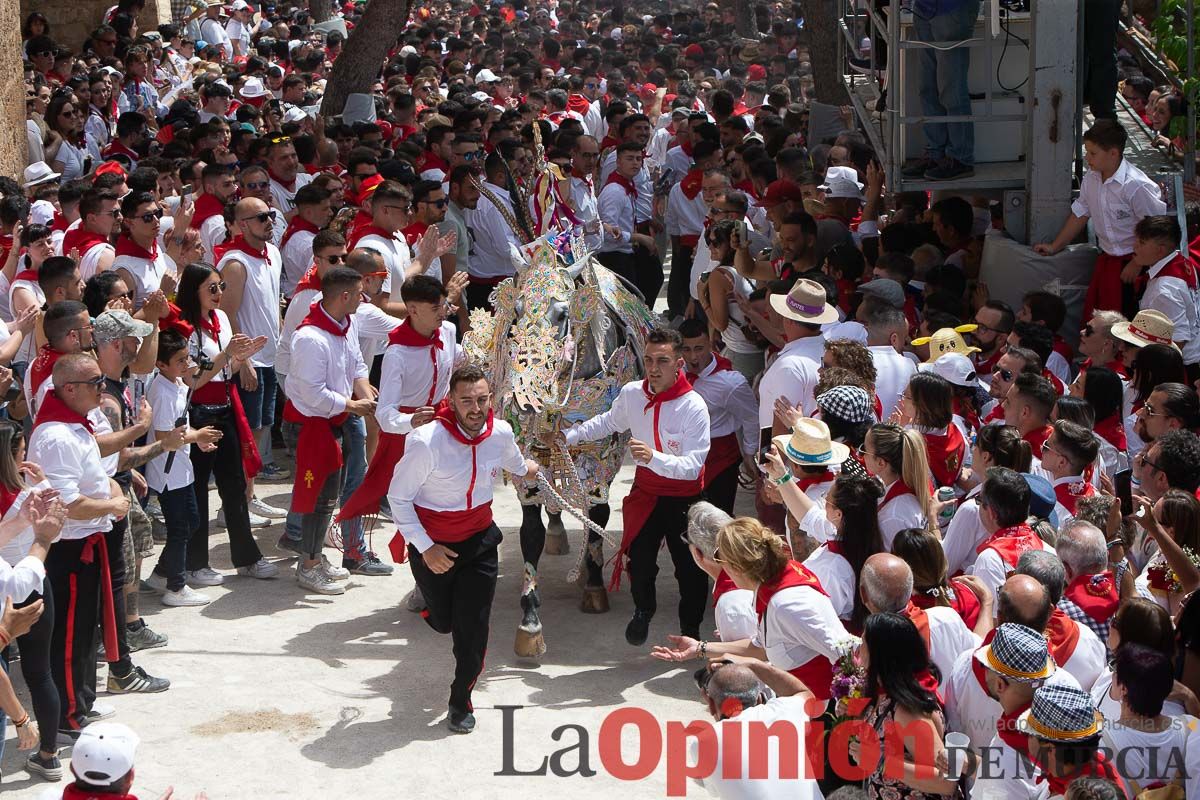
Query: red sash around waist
[723,453]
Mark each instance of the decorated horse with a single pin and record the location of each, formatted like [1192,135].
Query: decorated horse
[564,336]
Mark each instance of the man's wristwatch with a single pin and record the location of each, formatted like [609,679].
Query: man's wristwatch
[703,649]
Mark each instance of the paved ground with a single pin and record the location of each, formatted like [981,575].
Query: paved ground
[276,693]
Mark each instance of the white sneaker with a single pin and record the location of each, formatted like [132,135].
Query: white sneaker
[315,580]
[156,582]
[100,711]
[206,576]
[265,510]
[255,520]
[187,596]
[261,569]
[332,572]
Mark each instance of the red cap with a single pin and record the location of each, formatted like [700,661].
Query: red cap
[781,192]
[110,167]
[367,187]
[693,51]
[649,88]
[386,128]
[756,72]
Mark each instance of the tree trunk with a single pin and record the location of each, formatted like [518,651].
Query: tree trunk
[319,10]
[358,66]
[745,19]
[821,25]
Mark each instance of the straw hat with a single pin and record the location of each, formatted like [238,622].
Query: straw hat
[810,444]
[947,340]
[1148,327]
[805,303]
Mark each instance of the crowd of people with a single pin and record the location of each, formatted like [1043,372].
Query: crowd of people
[205,277]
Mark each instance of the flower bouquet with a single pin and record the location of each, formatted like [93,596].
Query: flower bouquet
[849,679]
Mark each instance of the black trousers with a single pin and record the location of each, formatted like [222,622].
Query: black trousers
[76,589]
[35,667]
[668,521]
[459,602]
[226,464]
[478,294]
[678,292]
[1100,58]
[722,490]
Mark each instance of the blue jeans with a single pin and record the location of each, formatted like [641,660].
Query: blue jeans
[260,403]
[354,455]
[182,516]
[942,82]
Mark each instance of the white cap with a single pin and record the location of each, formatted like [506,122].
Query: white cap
[850,329]
[41,213]
[482,97]
[103,753]
[954,367]
[842,182]
[294,114]
[485,75]
[241,5]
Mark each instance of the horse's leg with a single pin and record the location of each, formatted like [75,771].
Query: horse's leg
[557,543]
[595,597]
[530,643]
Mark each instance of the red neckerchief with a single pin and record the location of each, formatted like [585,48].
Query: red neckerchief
[824,476]
[746,186]
[1099,767]
[962,600]
[988,364]
[126,246]
[929,683]
[212,326]
[53,409]
[964,410]
[319,318]
[207,206]
[1116,365]
[240,244]
[1180,268]
[1062,348]
[9,496]
[579,104]
[83,240]
[311,280]
[920,619]
[42,366]
[1009,543]
[1068,494]
[445,415]
[363,231]
[289,185]
[1062,635]
[73,792]
[656,401]
[723,584]
[897,489]
[1096,595]
[414,232]
[622,181]
[1008,729]
[945,454]
[1112,430]
[692,183]
[30,275]
[433,161]
[406,335]
[59,222]
[794,574]
[117,148]
[720,364]
[297,224]
[608,141]
[1037,439]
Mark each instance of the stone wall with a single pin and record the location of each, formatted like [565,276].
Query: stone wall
[12,92]
[72,20]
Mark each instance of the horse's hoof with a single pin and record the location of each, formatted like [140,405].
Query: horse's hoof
[530,645]
[595,600]
[556,540]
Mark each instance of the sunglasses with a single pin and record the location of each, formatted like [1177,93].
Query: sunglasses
[334,259]
[436,203]
[95,382]
[266,216]
[256,186]
[1005,374]
[1150,412]
[474,155]
[150,216]
[127,295]
[279,139]
[217,288]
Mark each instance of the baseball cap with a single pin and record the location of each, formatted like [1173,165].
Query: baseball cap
[886,289]
[115,324]
[756,72]
[485,75]
[781,191]
[954,367]
[693,51]
[103,753]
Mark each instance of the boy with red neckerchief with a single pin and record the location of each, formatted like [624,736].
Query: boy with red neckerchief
[1066,456]
[139,261]
[314,211]
[617,206]
[441,502]
[669,424]
[327,383]
[1172,284]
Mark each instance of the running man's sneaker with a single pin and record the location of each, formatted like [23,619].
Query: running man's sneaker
[205,576]
[187,596]
[460,721]
[266,509]
[261,569]
[49,769]
[369,565]
[415,601]
[137,681]
[315,580]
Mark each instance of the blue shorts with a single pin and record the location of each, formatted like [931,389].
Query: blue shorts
[260,403]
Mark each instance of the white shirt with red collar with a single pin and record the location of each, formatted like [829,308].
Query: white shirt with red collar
[899,509]
[1174,289]
[148,268]
[324,368]
[836,575]
[258,315]
[732,406]
[687,211]
[439,473]
[798,625]
[949,637]
[396,255]
[297,254]
[283,196]
[680,440]
[70,457]
[1067,491]
[733,610]
[993,568]
[1115,206]
[412,377]
[1087,659]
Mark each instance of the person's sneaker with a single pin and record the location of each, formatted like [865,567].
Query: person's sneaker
[99,711]
[948,170]
[369,565]
[638,628]
[917,167]
[205,576]
[460,721]
[143,638]
[274,472]
[290,545]
[266,509]
[49,769]
[261,569]
[332,572]
[255,520]
[137,681]
[315,580]
[187,596]
[415,601]
[155,582]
